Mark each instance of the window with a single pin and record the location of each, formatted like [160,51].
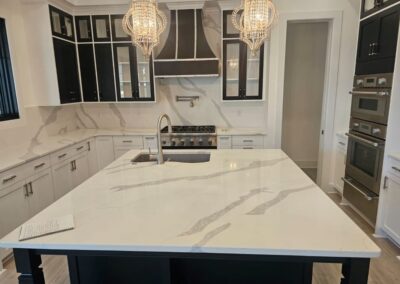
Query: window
[8,99]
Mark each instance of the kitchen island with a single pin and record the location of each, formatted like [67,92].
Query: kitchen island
[243,217]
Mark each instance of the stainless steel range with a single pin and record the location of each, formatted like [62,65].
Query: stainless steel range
[189,137]
[367,136]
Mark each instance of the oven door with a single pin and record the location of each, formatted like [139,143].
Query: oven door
[371,105]
[364,160]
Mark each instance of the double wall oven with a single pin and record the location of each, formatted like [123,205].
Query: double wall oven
[367,135]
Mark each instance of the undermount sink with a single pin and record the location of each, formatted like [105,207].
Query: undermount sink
[179,158]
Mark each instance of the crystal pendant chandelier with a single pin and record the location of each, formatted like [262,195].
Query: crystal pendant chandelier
[144,22]
[255,22]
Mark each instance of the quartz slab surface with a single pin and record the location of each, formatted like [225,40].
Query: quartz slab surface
[244,202]
[240,131]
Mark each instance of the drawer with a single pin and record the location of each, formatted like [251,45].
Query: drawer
[248,147]
[150,142]
[128,142]
[248,141]
[80,148]
[38,165]
[394,167]
[224,142]
[62,155]
[12,176]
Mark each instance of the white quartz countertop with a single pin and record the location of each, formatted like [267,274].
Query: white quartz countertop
[246,202]
[395,156]
[240,131]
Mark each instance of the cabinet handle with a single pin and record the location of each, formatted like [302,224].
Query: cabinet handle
[88,145]
[396,169]
[370,50]
[150,138]
[248,141]
[127,141]
[30,188]
[62,156]
[342,143]
[224,138]
[72,166]
[79,148]
[367,197]
[385,183]
[40,166]
[9,179]
[26,193]
[248,148]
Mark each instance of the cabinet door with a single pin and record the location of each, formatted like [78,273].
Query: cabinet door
[254,74]
[229,30]
[388,32]
[125,75]
[41,192]
[105,72]
[67,71]
[391,223]
[232,86]
[105,151]
[80,171]
[145,77]
[62,179]
[13,208]
[101,28]
[88,72]
[61,24]
[92,157]
[83,28]
[118,33]
[369,31]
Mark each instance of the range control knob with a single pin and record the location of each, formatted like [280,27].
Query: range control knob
[200,141]
[182,142]
[356,124]
[192,142]
[173,143]
[164,142]
[376,131]
[210,142]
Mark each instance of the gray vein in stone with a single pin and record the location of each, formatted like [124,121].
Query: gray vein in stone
[173,106]
[210,235]
[262,208]
[118,114]
[63,130]
[85,113]
[205,221]
[83,124]
[252,165]
[35,140]
[200,91]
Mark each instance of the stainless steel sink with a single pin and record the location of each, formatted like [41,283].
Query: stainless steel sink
[179,158]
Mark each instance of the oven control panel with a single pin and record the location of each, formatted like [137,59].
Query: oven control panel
[376,81]
[369,128]
[189,141]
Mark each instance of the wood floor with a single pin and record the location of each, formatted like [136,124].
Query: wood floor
[384,270]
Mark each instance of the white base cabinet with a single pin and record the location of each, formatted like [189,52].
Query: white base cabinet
[339,162]
[105,151]
[391,223]
[62,179]
[40,191]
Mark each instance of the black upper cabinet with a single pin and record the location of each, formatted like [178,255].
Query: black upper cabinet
[62,24]
[371,6]
[378,43]
[88,72]
[101,28]
[242,71]
[67,71]
[229,30]
[83,29]
[105,72]
[118,33]
[134,74]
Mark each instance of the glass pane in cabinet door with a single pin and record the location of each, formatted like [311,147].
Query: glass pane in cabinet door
[229,30]
[68,27]
[124,72]
[253,73]
[119,32]
[232,69]
[56,19]
[101,28]
[143,72]
[368,5]
[84,27]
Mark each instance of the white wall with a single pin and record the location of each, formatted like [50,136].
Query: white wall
[303,92]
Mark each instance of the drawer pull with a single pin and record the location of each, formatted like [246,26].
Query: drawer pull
[224,138]
[9,179]
[248,141]
[79,148]
[150,138]
[26,192]
[40,166]
[62,156]
[248,148]
[367,197]
[342,143]
[396,169]
[127,141]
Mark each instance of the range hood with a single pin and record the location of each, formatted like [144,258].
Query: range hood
[186,52]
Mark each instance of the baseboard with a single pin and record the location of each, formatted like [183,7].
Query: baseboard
[307,164]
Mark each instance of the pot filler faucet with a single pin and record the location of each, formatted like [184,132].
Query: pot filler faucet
[160,155]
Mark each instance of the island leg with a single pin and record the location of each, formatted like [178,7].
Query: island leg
[27,263]
[355,270]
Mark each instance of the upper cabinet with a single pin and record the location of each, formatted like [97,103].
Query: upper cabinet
[83,27]
[101,28]
[242,70]
[378,43]
[371,6]
[62,24]
[117,31]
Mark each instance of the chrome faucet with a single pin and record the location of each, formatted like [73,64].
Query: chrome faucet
[160,155]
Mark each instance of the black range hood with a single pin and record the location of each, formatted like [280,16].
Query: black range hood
[186,52]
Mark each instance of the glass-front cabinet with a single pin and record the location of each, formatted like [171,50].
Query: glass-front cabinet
[101,28]
[242,71]
[83,27]
[134,74]
[118,33]
[61,24]
[371,6]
